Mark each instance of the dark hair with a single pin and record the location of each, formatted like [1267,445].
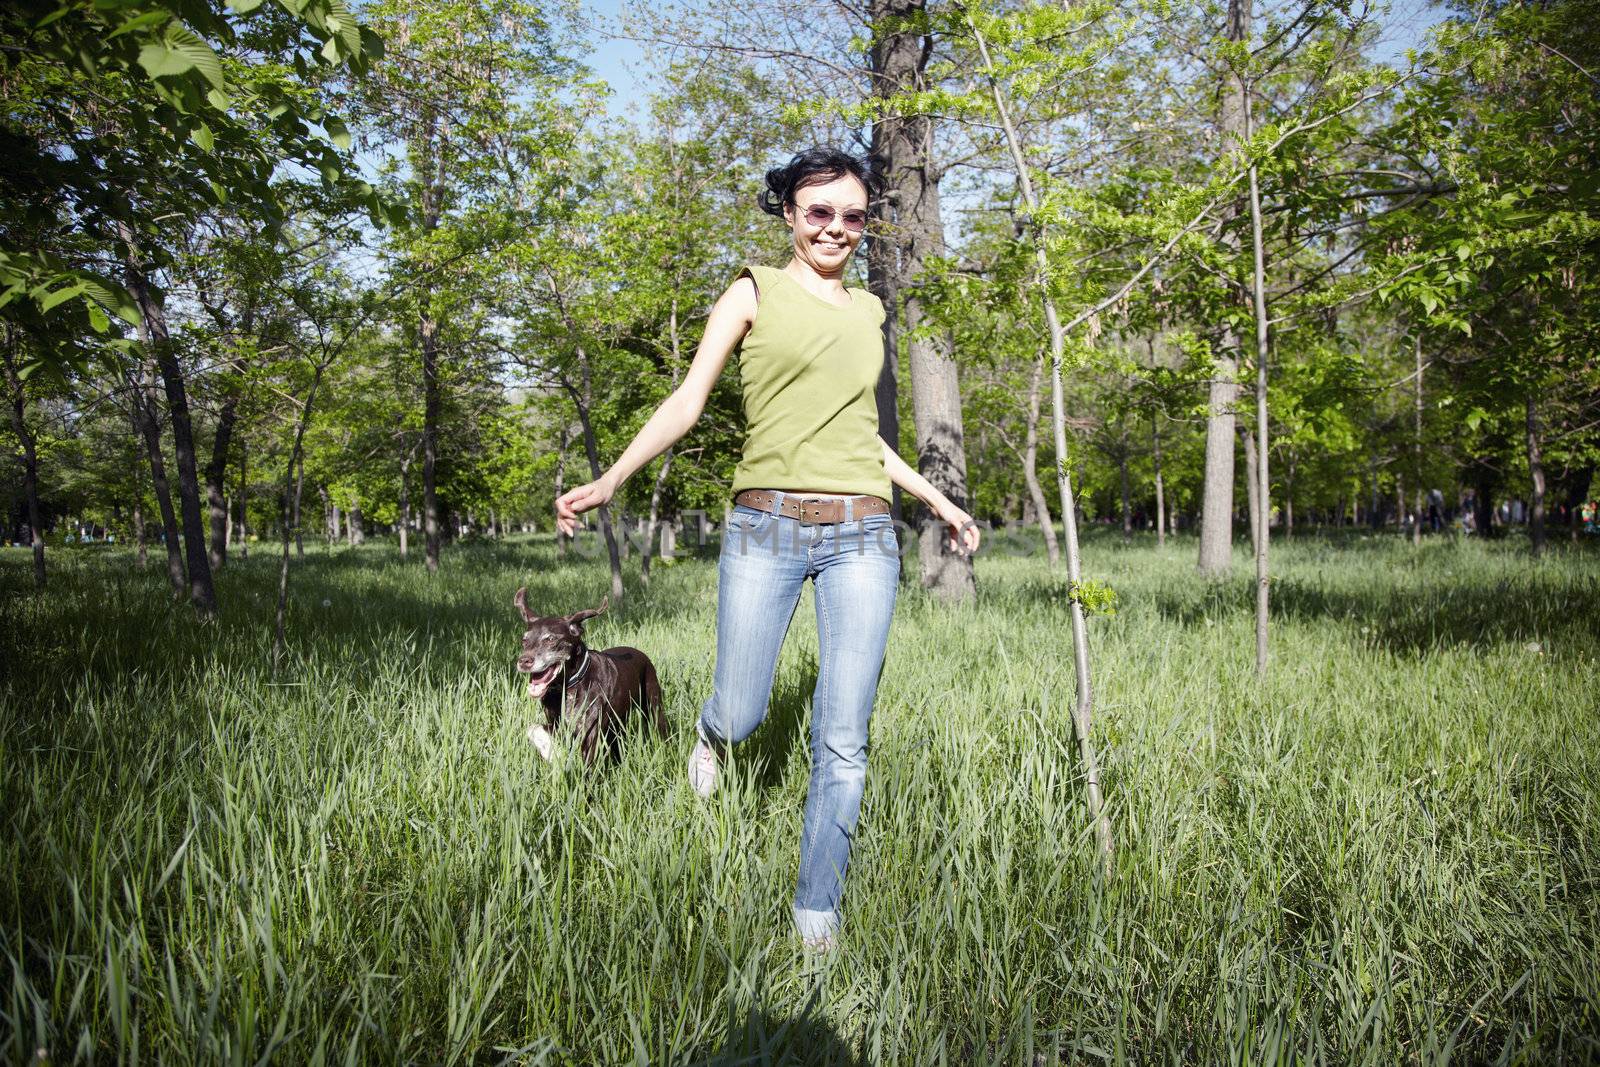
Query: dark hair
[813,167]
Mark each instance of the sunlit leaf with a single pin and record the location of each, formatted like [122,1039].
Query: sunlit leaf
[338,132]
[140,22]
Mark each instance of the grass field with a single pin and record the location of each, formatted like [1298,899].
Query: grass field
[1386,854]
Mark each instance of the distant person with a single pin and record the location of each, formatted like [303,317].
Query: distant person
[1587,513]
[811,500]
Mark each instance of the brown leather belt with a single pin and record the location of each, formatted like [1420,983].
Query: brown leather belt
[811,509]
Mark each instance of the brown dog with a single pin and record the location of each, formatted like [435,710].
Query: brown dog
[597,690]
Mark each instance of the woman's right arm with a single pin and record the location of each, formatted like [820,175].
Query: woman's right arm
[730,319]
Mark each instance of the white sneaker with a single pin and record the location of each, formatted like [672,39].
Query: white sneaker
[704,765]
[819,946]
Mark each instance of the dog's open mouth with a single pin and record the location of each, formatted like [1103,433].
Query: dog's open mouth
[539,681]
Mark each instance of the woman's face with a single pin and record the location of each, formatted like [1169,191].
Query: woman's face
[827,247]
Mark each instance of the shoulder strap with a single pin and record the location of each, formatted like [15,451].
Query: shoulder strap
[751,271]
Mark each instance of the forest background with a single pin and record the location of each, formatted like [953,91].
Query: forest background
[415,270]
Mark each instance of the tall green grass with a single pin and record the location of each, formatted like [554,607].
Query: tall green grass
[1387,853]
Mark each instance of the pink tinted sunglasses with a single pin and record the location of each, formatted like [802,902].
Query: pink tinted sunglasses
[820,215]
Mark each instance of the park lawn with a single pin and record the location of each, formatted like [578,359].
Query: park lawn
[1387,853]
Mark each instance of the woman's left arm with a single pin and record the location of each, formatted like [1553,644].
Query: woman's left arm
[963,532]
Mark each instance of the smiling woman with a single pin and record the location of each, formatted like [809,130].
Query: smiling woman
[811,501]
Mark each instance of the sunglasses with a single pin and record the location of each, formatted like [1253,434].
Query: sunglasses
[820,215]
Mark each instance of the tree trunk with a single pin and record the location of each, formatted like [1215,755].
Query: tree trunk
[30,461]
[592,450]
[289,514]
[1374,507]
[651,521]
[244,500]
[1536,473]
[1416,440]
[1083,706]
[143,404]
[216,472]
[405,506]
[1483,498]
[428,165]
[1250,485]
[904,156]
[561,485]
[431,408]
[299,487]
[893,62]
[138,519]
[1261,502]
[1127,505]
[1161,498]
[358,532]
[1216,503]
[657,490]
[1030,467]
[201,591]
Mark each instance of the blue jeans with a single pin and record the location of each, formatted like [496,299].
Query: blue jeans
[855,566]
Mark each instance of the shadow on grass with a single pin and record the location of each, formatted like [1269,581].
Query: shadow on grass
[102,620]
[776,743]
[1409,620]
[761,1040]
[1379,590]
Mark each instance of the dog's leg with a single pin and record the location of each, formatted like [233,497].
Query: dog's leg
[543,741]
[589,743]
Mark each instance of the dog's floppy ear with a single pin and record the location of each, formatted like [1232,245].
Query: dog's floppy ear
[576,619]
[522,604]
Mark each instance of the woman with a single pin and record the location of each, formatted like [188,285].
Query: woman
[811,501]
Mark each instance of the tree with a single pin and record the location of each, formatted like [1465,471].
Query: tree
[470,93]
[129,115]
[1496,269]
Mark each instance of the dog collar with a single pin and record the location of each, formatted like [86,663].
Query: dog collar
[581,669]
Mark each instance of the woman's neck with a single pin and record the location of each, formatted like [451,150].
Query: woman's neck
[824,284]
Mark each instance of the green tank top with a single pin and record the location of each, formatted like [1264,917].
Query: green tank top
[810,373]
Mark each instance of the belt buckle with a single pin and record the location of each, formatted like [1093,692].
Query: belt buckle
[801,502]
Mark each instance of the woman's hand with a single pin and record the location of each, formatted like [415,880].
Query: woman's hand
[574,502]
[963,533]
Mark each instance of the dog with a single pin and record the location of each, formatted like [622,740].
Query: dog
[597,690]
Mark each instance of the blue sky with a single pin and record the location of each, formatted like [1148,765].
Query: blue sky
[620,62]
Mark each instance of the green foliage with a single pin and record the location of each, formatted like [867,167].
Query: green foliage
[121,113]
[1096,598]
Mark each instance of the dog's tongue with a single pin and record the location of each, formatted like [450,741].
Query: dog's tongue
[538,683]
